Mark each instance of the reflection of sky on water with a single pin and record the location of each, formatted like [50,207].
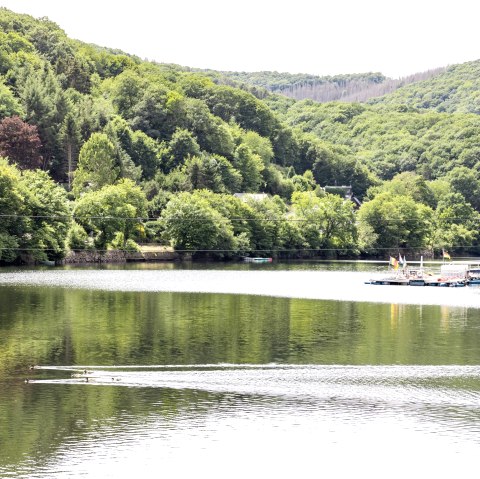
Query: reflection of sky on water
[332,285]
[273,442]
[230,420]
[280,421]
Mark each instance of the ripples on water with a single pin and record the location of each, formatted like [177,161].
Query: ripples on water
[229,420]
[400,384]
[250,420]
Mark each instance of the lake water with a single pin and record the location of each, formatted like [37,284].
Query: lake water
[281,370]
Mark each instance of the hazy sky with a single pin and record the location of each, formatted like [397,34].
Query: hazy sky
[321,37]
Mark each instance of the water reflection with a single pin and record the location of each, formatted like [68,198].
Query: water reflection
[188,382]
[327,285]
[211,414]
[64,326]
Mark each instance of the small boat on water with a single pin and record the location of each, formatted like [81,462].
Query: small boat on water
[473,275]
[248,259]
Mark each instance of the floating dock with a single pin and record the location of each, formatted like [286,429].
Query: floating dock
[451,275]
[420,282]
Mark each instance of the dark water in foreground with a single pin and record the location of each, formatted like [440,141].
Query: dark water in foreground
[236,385]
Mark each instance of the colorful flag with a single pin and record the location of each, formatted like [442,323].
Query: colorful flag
[393,262]
[445,254]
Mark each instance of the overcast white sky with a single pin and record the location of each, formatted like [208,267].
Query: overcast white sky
[322,37]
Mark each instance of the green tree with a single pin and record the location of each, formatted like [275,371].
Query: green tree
[212,172]
[122,159]
[407,184]
[70,137]
[158,112]
[250,166]
[35,215]
[456,224]
[265,218]
[210,132]
[305,182]
[12,207]
[9,105]
[259,145]
[77,238]
[276,183]
[45,107]
[234,104]
[397,222]
[113,209]
[240,214]
[96,165]
[181,146]
[11,44]
[285,146]
[49,217]
[127,90]
[231,177]
[328,222]
[193,226]
[466,182]
[439,189]
[144,152]
[135,150]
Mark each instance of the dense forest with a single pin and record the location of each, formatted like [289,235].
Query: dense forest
[357,87]
[100,150]
[456,90]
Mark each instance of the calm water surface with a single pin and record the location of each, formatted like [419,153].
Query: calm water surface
[242,370]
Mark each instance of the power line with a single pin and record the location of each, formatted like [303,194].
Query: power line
[256,250]
[183,219]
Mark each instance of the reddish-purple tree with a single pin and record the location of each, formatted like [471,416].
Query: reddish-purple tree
[21,143]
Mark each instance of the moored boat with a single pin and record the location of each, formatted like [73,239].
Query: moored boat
[248,259]
[473,275]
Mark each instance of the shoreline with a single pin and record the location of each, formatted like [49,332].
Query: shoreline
[119,256]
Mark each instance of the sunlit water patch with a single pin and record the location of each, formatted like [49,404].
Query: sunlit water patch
[392,384]
[257,383]
[277,420]
[333,285]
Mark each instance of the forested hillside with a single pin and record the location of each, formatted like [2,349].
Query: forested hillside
[359,87]
[104,151]
[456,90]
